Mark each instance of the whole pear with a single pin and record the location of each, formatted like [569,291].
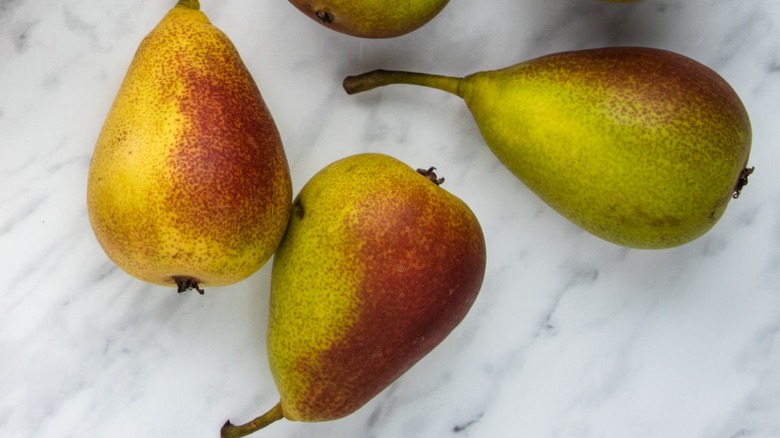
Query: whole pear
[378,265]
[189,184]
[371,18]
[642,147]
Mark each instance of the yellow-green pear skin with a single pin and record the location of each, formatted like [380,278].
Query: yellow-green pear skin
[378,264]
[642,147]
[189,184]
[371,18]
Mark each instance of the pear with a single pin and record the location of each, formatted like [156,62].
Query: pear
[189,184]
[641,147]
[378,265]
[371,18]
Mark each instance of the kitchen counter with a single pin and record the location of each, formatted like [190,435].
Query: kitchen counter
[571,336]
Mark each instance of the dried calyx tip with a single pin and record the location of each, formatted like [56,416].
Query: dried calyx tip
[431,175]
[742,181]
[324,16]
[184,283]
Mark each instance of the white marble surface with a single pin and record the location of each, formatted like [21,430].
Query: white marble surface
[570,337]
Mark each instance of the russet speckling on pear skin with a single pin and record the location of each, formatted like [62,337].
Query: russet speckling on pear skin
[642,147]
[377,266]
[189,184]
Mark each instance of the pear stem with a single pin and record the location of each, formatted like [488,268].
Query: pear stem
[232,431]
[189,4]
[380,78]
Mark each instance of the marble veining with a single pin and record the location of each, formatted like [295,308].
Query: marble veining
[570,337]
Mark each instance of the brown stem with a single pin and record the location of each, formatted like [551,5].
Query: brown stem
[189,4]
[380,78]
[230,430]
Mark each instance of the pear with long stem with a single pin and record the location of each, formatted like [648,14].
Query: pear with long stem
[642,147]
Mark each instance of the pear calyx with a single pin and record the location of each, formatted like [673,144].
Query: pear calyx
[742,181]
[185,283]
[431,175]
[324,17]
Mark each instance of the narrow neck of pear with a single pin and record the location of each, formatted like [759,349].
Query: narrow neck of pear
[380,78]
[189,4]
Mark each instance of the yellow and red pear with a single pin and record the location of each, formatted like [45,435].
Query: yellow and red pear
[189,184]
[640,146]
[378,265]
[371,18]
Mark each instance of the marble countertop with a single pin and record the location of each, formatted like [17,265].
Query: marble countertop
[571,336]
